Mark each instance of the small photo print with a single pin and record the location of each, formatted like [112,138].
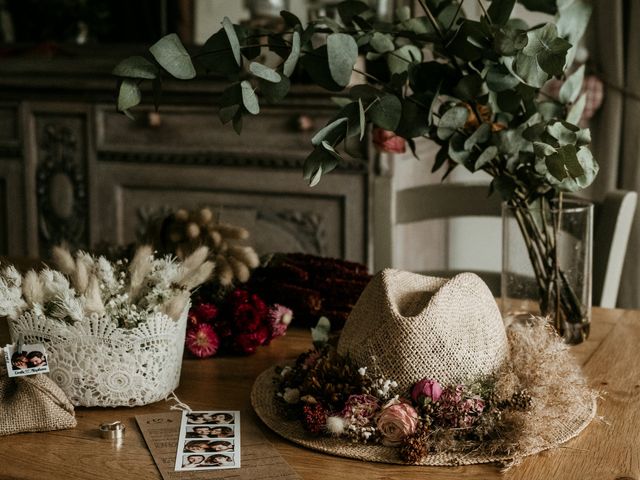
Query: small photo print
[30,360]
[208,461]
[209,440]
[216,418]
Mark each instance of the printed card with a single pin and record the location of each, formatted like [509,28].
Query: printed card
[209,440]
[30,360]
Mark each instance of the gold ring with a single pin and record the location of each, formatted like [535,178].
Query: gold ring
[112,430]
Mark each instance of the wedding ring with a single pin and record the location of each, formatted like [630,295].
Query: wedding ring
[112,430]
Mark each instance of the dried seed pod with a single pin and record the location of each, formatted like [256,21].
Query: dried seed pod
[181,215]
[223,271]
[205,216]
[240,270]
[192,230]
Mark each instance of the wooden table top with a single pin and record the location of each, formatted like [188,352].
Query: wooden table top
[608,448]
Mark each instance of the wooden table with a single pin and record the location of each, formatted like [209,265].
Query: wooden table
[608,449]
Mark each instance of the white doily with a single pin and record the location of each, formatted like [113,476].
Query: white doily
[99,365]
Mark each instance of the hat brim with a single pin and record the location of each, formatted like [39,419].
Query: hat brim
[563,407]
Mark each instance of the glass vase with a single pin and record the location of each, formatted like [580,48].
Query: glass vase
[546,264]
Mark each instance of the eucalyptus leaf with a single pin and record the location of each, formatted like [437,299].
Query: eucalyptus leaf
[399,60]
[403,13]
[226,114]
[486,156]
[561,133]
[290,20]
[500,79]
[320,334]
[230,31]
[350,9]
[386,112]
[481,135]
[382,42]
[264,72]
[249,98]
[342,53]
[129,95]
[452,119]
[414,121]
[576,110]
[292,60]
[316,65]
[572,21]
[237,121]
[457,152]
[324,131]
[216,55]
[361,118]
[469,87]
[172,56]
[572,86]
[136,67]
[275,92]
[500,11]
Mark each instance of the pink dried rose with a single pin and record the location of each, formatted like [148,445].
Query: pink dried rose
[202,341]
[388,141]
[397,420]
[428,388]
[360,409]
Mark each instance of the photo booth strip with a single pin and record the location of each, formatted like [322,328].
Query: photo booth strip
[209,440]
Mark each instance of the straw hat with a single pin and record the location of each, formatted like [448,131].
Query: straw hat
[414,327]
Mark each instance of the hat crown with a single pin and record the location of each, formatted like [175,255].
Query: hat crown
[414,327]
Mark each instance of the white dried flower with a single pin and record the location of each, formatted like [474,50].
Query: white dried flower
[285,371]
[336,425]
[362,371]
[291,395]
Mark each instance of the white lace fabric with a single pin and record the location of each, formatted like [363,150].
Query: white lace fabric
[98,364]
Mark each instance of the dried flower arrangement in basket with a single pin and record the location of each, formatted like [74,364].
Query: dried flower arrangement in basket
[114,331]
[228,316]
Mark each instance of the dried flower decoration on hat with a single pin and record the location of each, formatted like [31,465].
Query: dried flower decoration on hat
[425,372]
[333,396]
[85,285]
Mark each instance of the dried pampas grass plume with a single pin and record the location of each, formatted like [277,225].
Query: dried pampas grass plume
[139,268]
[199,276]
[80,277]
[63,260]
[32,289]
[223,272]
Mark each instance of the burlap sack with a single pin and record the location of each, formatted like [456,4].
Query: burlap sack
[32,404]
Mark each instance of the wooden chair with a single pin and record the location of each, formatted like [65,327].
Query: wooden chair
[612,226]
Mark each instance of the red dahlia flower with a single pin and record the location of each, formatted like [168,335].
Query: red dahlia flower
[202,341]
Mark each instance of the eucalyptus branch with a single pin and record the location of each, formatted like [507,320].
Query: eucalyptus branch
[432,19]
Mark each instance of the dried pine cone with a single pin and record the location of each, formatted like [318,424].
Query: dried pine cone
[415,447]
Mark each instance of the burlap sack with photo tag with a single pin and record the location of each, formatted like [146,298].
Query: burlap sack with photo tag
[32,404]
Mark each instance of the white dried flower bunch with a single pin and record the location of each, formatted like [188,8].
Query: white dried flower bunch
[83,285]
[190,229]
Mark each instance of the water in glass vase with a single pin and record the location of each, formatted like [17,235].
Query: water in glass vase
[546,264]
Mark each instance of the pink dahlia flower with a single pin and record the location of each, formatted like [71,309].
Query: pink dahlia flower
[202,341]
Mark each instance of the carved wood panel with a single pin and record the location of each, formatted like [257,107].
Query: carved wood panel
[61,181]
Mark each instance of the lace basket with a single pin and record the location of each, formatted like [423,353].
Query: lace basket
[99,365]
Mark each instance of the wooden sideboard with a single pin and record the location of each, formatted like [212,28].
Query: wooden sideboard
[72,168]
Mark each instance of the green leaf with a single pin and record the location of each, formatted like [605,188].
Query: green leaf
[136,67]
[575,113]
[509,101]
[227,114]
[543,56]
[562,134]
[317,67]
[500,11]
[505,186]
[456,152]
[324,131]
[452,119]
[401,59]
[342,53]
[403,13]
[500,79]
[469,87]
[237,121]
[275,92]
[572,86]
[291,61]
[485,157]
[249,98]
[430,76]
[415,118]
[129,95]
[572,21]
[216,55]
[290,20]
[172,56]
[350,9]
[557,163]
[319,161]
[509,41]
[386,112]
[230,31]
[382,42]
[481,135]
[361,118]
[264,72]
